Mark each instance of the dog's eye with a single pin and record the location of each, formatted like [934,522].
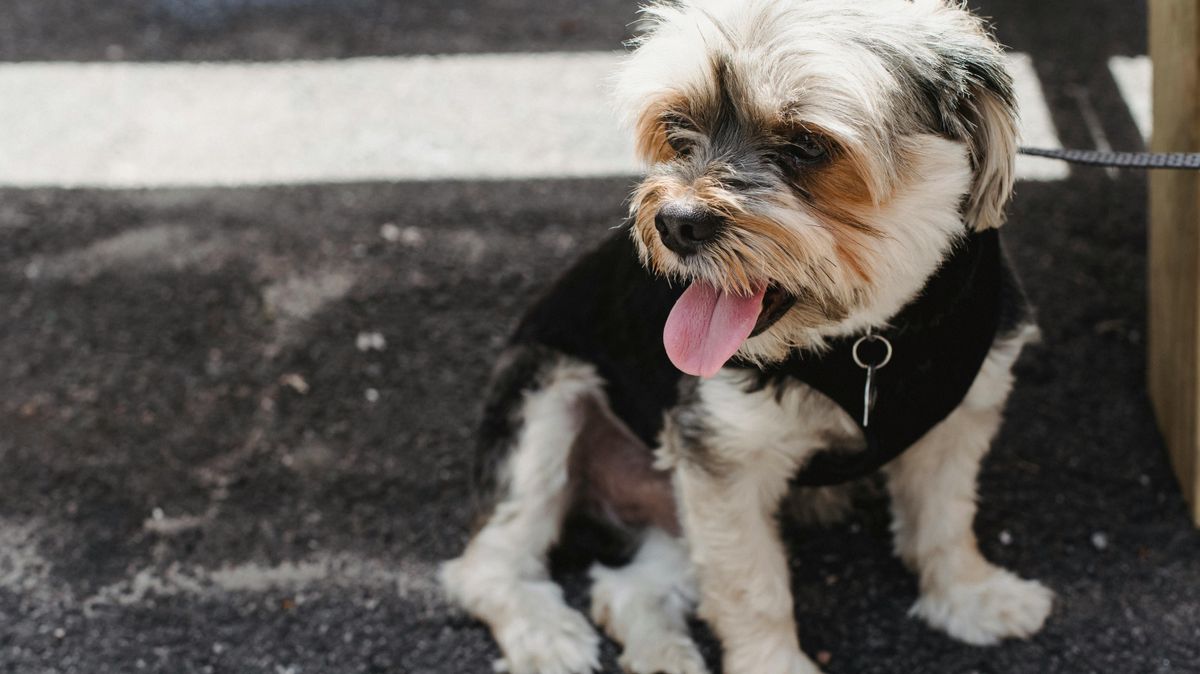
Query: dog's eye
[679,142]
[679,133]
[807,149]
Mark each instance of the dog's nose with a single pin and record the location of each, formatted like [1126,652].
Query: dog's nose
[686,230]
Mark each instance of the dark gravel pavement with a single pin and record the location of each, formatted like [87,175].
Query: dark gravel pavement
[235,423]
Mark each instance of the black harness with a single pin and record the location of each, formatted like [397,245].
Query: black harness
[609,311]
[938,343]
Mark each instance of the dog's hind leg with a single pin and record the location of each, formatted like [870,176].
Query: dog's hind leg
[502,577]
[644,606]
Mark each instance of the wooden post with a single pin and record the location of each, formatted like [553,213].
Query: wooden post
[1174,258]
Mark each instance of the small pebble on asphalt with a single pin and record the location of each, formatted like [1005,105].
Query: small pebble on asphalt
[295,382]
[390,232]
[370,341]
[411,236]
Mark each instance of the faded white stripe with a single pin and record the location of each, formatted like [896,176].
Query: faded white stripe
[518,116]
[1037,124]
[1135,79]
[409,579]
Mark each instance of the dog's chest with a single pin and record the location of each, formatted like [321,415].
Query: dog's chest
[791,420]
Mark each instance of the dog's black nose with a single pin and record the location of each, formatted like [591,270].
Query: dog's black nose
[685,230]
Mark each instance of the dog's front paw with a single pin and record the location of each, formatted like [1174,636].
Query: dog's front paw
[773,660]
[557,640]
[982,613]
[678,656]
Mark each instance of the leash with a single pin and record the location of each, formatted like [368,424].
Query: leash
[1136,160]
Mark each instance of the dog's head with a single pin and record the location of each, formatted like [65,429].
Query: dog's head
[811,162]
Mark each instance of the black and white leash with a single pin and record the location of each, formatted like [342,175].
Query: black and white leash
[1134,160]
[881,348]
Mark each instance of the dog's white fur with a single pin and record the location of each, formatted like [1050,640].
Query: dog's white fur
[502,577]
[789,44]
[645,607]
[731,559]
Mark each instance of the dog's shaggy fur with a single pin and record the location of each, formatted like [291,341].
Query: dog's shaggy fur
[829,159]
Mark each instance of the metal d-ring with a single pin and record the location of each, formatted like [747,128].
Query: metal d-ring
[869,389]
[872,337]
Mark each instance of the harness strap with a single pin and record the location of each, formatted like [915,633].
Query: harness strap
[941,339]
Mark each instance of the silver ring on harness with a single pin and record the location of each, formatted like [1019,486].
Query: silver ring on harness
[872,337]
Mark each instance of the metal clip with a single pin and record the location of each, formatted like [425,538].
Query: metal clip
[869,389]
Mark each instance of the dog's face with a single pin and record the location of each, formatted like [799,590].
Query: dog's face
[811,162]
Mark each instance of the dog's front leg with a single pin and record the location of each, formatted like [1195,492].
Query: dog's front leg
[932,487]
[728,504]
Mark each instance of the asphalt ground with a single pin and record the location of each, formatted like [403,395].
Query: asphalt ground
[235,423]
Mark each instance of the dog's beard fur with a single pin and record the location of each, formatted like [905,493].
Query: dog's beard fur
[912,103]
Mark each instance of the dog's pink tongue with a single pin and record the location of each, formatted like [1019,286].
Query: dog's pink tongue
[707,327]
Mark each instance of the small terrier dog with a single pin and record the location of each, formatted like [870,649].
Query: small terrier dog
[810,289]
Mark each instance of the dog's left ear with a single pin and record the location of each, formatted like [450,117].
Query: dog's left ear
[977,105]
[989,115]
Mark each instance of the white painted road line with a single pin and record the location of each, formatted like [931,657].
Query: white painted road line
[517,116]
[154,125]
[1037,124]
[1091,120]
[1135,79]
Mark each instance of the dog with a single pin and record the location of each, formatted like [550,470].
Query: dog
[810,288]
